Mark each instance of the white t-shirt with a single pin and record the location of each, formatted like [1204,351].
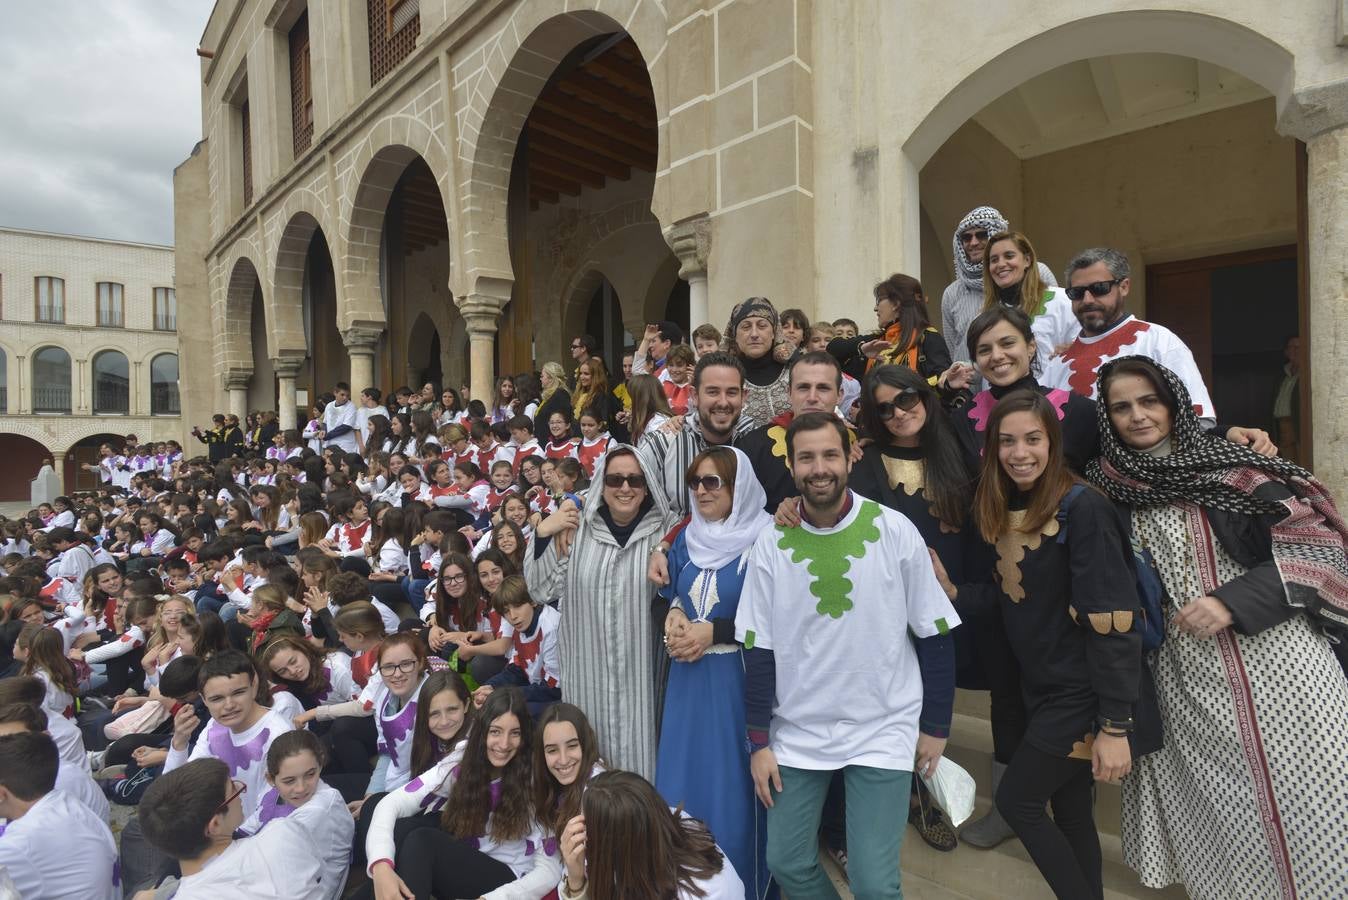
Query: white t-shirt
[78,783]
[325,818]
[245,753]
[285,865]
[334,416]
[58,851]
[1075,369]
[431,790]
[394,725]
[363,418]
[875,583]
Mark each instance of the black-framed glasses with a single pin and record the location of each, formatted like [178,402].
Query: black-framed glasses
[405,667]
[575,346]
[236,787]
[1097,289]
[706,482]
[455,579]
[614,480]
[968,237]
[905,400]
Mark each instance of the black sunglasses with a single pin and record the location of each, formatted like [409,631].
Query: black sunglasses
[613,480]
[905,400]
[969,237]
[1097,289]
[706,482]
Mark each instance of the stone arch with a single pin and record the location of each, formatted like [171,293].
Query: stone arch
[387,149]
[1197,35]
[234,312]
[302,215]
[24,450]
[512,68]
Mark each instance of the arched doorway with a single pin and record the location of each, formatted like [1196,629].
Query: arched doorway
[424,355]
[1155,134]
[85,452]
[326,362]
[23,458]
[581,180]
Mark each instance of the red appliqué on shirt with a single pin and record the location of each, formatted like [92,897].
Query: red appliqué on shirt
[1085,359]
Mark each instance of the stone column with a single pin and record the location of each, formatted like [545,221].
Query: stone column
[360,340]
[236,383]
[691,242]
[481,319]
[286,368]
[1327,236]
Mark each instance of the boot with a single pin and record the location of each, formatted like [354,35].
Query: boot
[992,829]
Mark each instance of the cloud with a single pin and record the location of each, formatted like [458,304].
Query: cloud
[100,102]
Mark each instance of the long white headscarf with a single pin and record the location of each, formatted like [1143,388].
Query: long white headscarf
[712,545]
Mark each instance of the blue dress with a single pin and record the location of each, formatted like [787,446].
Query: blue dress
[702,762]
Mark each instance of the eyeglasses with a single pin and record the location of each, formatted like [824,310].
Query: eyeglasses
[905,400]
[236,788]
[1097,289]
[575,346]
[969,237]
[614,480]
[455,579]
[404,667]
[706,482]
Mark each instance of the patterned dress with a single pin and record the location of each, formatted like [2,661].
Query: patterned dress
[1247,797]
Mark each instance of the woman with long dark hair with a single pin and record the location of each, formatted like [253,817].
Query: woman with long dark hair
[628,845]
[566,757]
[490,836]
[1250,550]
[905,336]
[1069,604]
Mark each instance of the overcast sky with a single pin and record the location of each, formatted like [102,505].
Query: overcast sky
[99,100]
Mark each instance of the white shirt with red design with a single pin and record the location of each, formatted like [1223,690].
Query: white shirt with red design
[524,451]
[132,639]
[678,396]
[591,451]
[485,456]
[556,450]
[537,653]
[349,539]
[1076,367]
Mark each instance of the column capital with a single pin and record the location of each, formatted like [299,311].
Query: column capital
[361,337]
[691,242]
[480,317]
[237,379]
[1315,110]
[287,366]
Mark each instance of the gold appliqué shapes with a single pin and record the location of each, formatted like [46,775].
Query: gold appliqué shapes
[1011,550]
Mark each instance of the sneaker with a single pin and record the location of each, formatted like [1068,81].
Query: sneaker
[931,823]
[96,759]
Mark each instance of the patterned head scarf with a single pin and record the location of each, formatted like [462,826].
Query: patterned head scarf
[1310,536]
[969,272]
[746,309]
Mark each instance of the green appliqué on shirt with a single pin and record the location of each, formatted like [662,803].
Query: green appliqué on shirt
[830,557]
[1043,305]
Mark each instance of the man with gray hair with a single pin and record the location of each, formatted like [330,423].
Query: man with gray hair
[963,297]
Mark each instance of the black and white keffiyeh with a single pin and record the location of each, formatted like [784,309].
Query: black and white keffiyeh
[1310,536]
[969,272]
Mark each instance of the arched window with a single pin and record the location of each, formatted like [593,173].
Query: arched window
[164,385]
[4,382]
[51,381]
[112,383]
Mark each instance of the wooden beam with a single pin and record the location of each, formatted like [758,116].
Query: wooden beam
[585,114]
[639,110]
[554,183]
[540,194]
[557,126]
[560,148]
[542,161]
[632,77]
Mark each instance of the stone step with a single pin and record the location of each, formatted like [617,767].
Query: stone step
[1006,872]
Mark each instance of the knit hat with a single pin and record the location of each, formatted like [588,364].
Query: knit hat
[971,273]
[755,306]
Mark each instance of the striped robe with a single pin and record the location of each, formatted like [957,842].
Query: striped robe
[670,453]
[611,651]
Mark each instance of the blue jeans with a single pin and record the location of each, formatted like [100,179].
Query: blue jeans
[877,816]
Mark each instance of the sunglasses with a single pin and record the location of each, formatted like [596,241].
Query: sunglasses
[706,482]
[236,788]
[1097,289]
[615,480]
[905,400]
[969,237]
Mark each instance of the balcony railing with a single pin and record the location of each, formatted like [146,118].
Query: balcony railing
[51,399]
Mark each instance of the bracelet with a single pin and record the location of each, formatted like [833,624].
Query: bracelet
[1122,725]
[658,549]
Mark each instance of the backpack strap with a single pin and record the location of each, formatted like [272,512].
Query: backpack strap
[1068,499]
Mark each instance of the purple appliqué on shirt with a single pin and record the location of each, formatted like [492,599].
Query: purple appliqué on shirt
[327,685]
[272,807]
[237,756]
[394,730]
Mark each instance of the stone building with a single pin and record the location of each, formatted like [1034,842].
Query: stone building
[88,352]
[399,191]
